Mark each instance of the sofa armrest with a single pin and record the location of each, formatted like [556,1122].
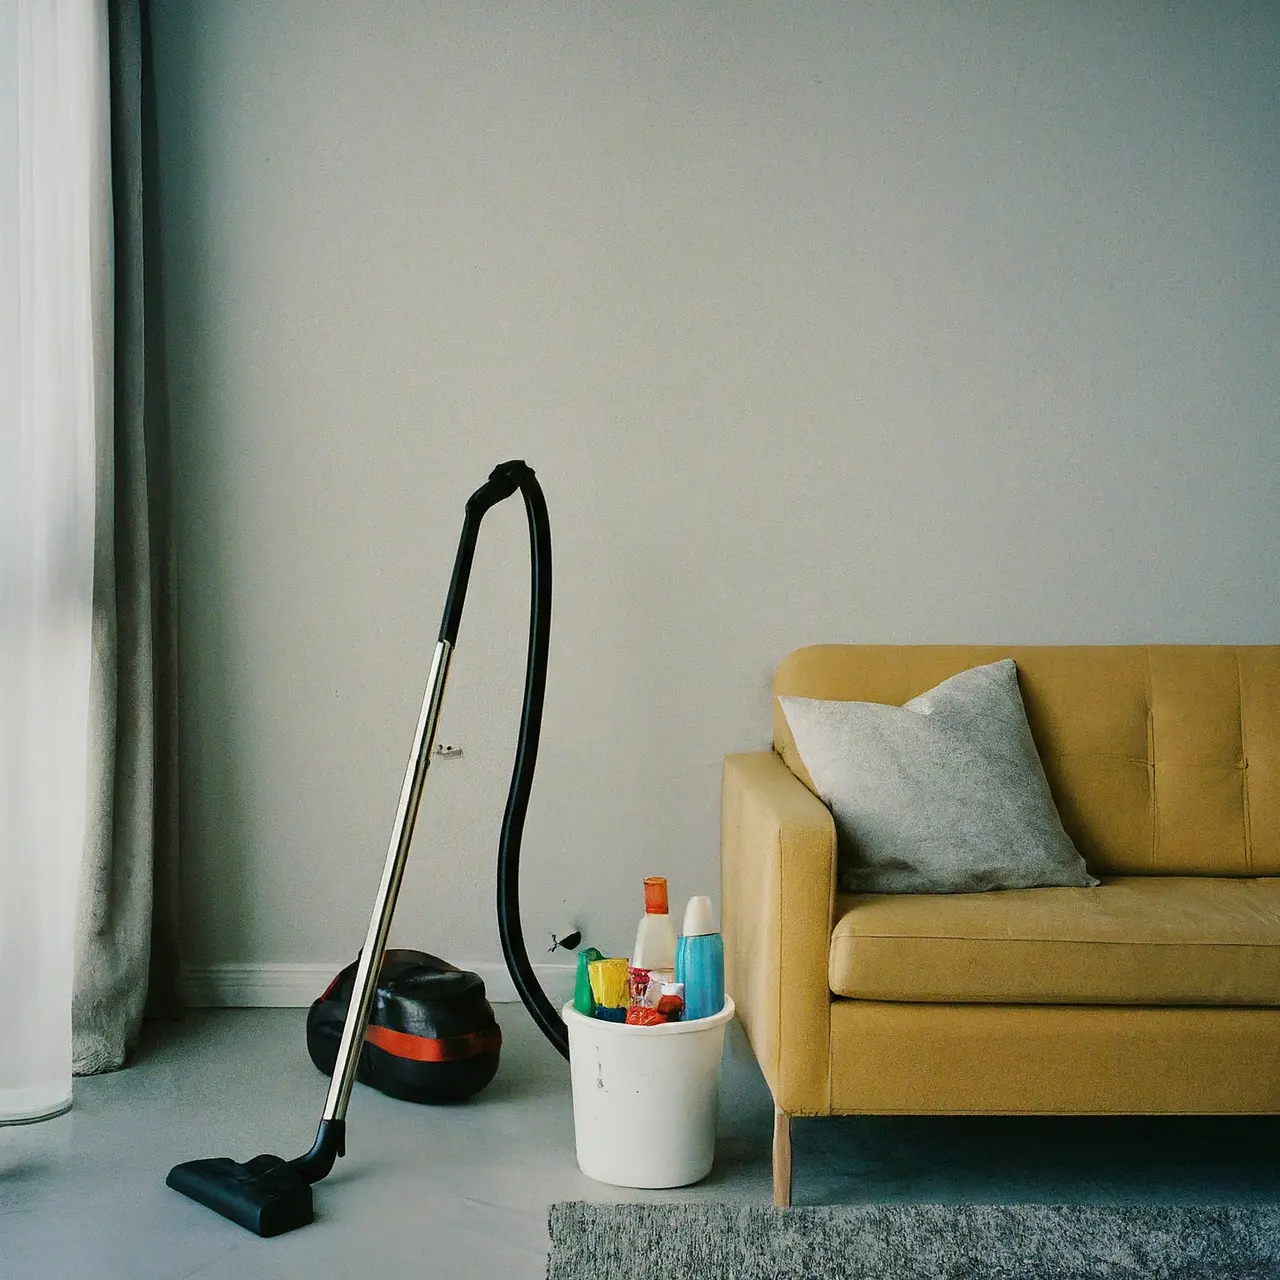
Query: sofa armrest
[777,887]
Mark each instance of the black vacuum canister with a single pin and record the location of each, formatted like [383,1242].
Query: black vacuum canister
[432,1035]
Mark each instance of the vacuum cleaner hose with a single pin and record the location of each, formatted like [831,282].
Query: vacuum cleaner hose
[504,481]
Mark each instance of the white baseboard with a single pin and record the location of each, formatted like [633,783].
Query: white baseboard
[292,986]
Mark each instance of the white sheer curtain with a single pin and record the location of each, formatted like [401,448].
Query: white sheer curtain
[55,409]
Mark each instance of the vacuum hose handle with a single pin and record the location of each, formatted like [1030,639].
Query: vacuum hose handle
[503,481]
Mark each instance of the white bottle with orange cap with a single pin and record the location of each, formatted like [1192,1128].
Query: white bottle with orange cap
[656,937]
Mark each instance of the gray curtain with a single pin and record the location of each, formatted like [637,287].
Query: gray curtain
[126,957]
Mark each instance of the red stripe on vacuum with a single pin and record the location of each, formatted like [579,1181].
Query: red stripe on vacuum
[425,1049]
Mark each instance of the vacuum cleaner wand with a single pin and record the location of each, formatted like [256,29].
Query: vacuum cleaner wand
[269,1195]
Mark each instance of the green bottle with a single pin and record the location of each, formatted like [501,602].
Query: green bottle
[583,1001]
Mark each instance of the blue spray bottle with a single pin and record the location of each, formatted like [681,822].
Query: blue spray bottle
[700,961]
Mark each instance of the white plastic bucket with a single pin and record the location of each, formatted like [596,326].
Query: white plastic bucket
[644,1098]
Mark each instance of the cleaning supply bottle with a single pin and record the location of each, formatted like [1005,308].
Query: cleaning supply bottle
[655,938]
[700,961]
[583,1000]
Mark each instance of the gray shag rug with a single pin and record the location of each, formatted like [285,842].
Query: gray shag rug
[910,1241]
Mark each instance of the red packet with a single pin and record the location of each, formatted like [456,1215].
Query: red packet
[639,985]
[640,1015]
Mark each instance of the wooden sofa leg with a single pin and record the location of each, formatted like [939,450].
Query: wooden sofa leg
[781,1158]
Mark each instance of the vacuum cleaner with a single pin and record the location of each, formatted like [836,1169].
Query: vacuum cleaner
[269,1195]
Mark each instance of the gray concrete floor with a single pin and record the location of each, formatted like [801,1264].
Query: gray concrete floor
[464,1191]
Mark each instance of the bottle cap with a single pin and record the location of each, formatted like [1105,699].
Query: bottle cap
[655,896]
[698,918]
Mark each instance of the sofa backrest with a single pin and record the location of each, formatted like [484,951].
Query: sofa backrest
[1163,759]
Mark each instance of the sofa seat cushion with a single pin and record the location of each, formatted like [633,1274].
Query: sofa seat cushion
[1132,940]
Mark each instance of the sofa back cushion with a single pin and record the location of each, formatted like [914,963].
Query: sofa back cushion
[1162,759]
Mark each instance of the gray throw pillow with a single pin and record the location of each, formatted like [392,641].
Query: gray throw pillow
[943,795]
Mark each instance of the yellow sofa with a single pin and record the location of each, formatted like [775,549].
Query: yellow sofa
[1156,992]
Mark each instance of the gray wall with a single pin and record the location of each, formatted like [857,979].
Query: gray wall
[834,322]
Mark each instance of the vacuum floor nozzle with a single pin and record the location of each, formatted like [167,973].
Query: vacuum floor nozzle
[266,1195]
